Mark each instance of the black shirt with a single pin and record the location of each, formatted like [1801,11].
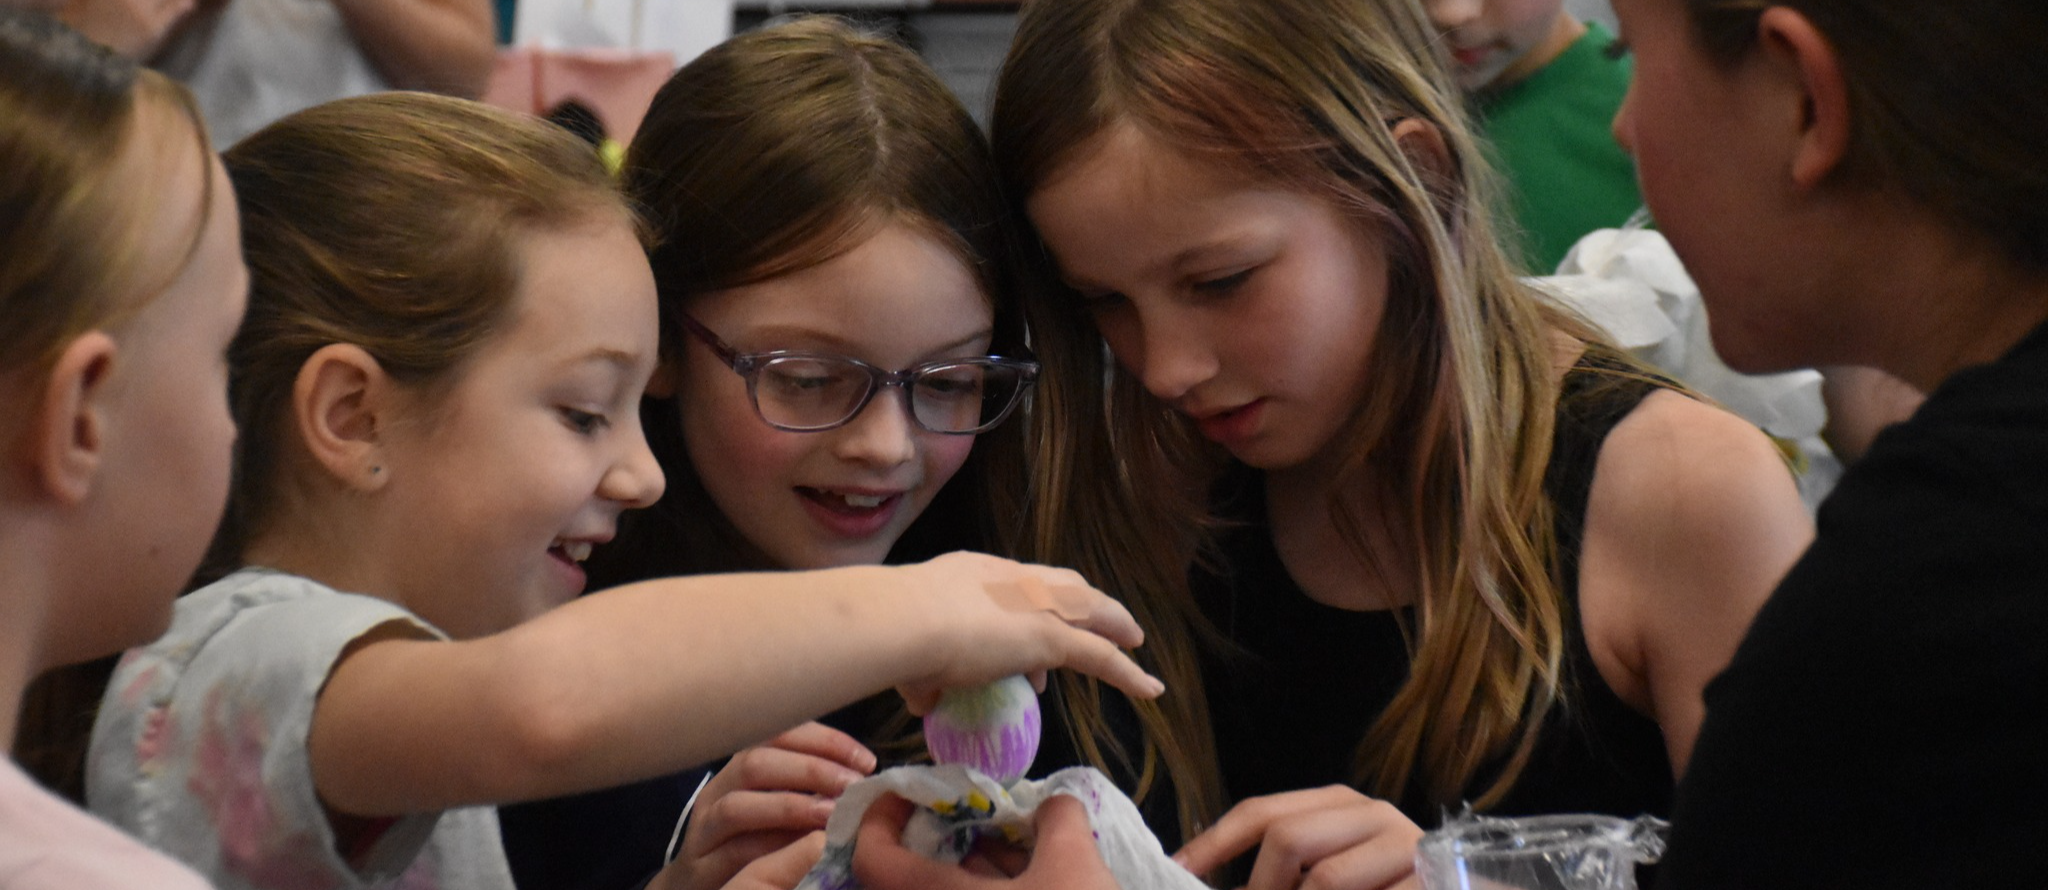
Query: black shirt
[1291,711]
[1885,721]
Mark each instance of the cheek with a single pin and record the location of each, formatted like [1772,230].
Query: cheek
[943,457]
[740,460]
[1124,333]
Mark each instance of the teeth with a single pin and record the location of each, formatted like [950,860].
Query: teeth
[863,501]
[577,550]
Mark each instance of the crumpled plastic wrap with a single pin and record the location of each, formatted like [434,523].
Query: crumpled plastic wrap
[957,805]
[1630,283]
[1566,852]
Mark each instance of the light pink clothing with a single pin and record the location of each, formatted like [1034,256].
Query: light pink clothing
[47,844]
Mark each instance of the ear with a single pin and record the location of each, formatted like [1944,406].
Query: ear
[67,431]
[663,384]
[341,404]
[1805,54]
[1424,146]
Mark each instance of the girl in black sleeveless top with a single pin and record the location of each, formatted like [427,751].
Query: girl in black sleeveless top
[1468,552]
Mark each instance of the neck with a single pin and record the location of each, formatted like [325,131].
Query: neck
[326,536]
[1324,562]
[1941,304]
[24,613]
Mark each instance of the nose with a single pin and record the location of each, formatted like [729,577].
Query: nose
[1450,15]
[1169,350]
[635,479]
[882,435]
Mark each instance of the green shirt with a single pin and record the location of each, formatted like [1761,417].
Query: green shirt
[1552,139]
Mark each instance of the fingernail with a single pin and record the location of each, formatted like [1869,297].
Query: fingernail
[822,811]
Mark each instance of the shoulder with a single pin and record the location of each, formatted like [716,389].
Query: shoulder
[51,844]
[1685,498]
[1693,518]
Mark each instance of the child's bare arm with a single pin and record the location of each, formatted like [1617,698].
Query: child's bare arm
[662,675]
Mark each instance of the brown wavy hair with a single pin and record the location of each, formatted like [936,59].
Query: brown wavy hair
[1306,93]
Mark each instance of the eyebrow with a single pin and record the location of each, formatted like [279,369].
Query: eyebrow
[834,341]
[607,355]
[1177,265]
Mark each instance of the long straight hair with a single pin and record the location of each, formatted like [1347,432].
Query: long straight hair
[778,151]
[1457,440]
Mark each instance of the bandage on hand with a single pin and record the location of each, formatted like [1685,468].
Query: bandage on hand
[1031,594]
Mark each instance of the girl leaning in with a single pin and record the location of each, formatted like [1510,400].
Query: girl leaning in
[121,283]
[451,322]
[829,224]
[1462,549]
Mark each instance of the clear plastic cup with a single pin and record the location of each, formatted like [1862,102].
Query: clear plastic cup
[1572,852]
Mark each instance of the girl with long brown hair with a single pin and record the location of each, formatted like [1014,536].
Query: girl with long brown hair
[1458,547]
[825,208]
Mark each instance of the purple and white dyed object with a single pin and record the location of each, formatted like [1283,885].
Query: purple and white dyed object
[991,728]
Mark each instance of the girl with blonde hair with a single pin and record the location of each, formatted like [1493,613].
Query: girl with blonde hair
[121,283]
[1458,548]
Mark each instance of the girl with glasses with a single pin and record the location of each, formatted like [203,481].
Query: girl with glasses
[451,321]
[842,343]
[1458,547]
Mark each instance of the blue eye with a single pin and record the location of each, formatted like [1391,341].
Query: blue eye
[584,422]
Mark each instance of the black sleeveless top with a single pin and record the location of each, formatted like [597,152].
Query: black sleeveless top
[1291,708]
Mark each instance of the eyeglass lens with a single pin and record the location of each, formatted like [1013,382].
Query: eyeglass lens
[812,392]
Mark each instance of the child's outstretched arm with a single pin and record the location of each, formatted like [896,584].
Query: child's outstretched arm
[661,675]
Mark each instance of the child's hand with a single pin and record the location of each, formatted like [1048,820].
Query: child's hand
[1325,837]
[996,617]
[1064,857]
[766,798]
[780,870]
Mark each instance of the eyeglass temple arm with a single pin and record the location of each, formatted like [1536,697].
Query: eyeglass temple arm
[730,355]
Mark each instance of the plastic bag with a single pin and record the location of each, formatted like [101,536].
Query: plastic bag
[1573,852]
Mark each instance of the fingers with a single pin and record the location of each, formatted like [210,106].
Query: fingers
[1066,856]
[1387,863]
[1063,827]
[787,787]
[1091,654]
[782,869]
[745,812]
[1249,823]
[1064,593]
[1330,837]
[880,861]
[819,740]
